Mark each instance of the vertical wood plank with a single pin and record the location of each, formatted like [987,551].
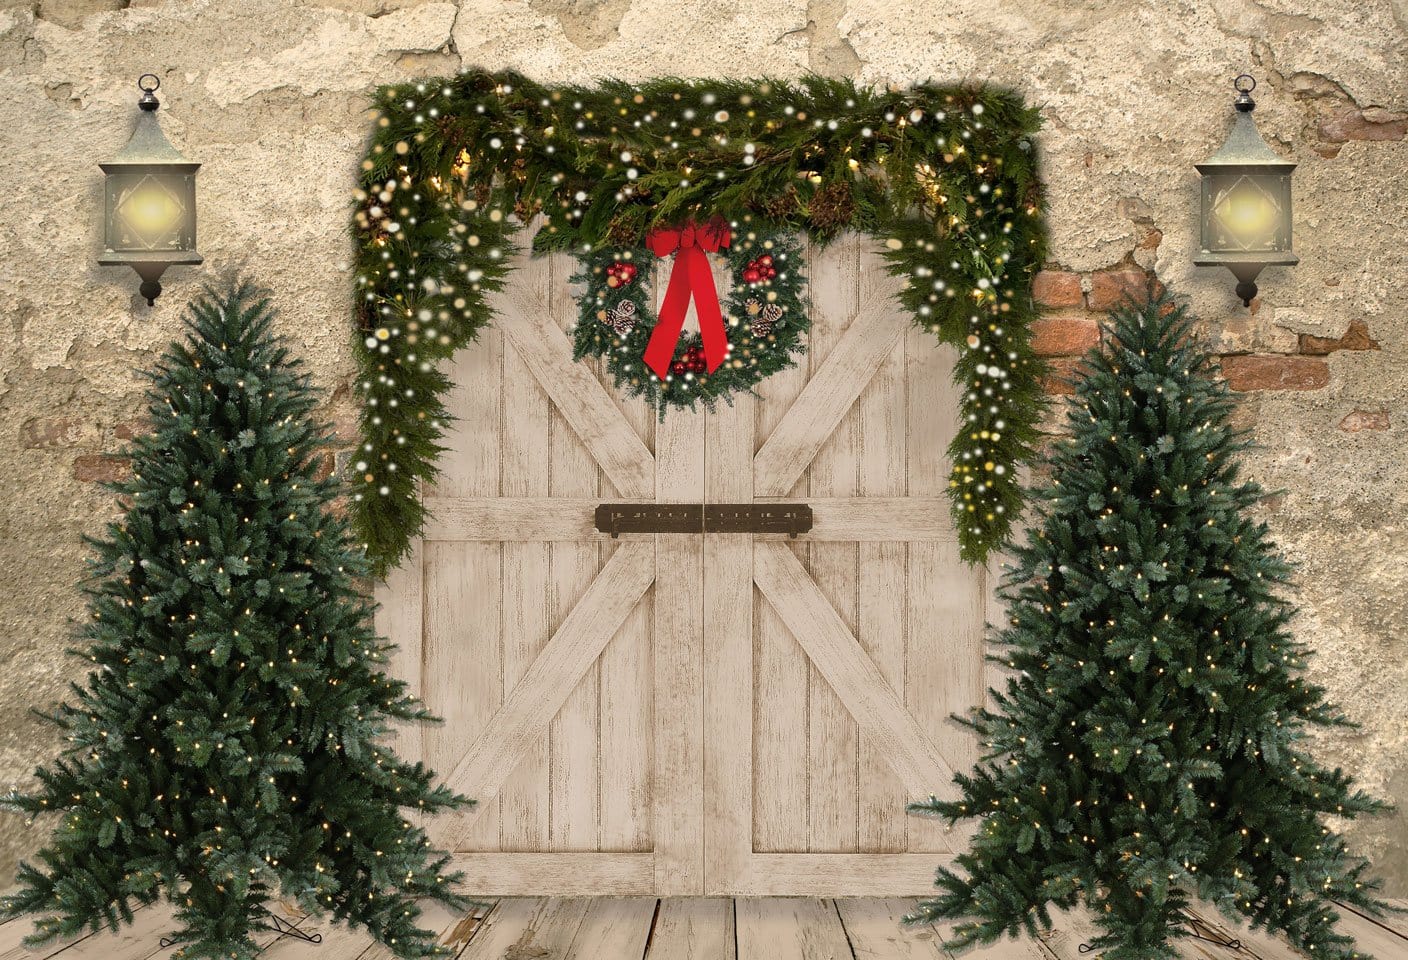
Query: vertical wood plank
[679,681]
[772,928]
[574,787]
[463,684]
[883,630]
[931,403]
[400,618]
[833,744]
[728,652]
[463,643]
[693,928]
[613,927]
[781,675]
[528,617]
[627,685]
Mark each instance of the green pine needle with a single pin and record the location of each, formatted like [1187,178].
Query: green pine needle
[1149,745]
[229,745]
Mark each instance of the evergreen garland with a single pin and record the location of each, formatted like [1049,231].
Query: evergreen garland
[1149,747]
[228,745]
[945,179]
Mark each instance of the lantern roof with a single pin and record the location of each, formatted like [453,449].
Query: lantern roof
[1244,146]
[149,146]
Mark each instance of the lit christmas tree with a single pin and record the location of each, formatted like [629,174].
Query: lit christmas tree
[1149,747]
[228,745]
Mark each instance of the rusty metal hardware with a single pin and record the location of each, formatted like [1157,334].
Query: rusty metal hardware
[618,518]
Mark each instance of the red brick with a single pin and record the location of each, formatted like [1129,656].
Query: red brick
[1358,420]
[1355,338]
[1114,288]
[131,429]
[1363,125]
[1064,335]
[1275,372]
[100,468]
[1057,288]
[40,432]
[1061,376]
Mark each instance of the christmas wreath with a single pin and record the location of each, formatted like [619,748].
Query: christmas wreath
[752,335]
[945,179]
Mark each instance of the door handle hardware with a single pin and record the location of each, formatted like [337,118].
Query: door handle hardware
[618,518]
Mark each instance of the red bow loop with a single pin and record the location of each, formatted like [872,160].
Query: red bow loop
[690,278]
[709,236]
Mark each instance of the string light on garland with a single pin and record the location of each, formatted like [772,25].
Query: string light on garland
[944,177]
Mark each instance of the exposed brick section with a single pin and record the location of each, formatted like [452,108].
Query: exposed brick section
[1057,288]
[1112,288]
[101,468]
[1374,123]
[1355,338]
[1064,335]
[1275,372]
[131,429]
[1358,420]
[1061,376]
[43,432]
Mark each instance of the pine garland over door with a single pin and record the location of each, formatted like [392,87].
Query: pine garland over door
[943,177]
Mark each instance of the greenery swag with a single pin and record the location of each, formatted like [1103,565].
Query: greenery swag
[944,177]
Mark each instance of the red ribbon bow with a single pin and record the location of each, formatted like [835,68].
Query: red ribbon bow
[691,243]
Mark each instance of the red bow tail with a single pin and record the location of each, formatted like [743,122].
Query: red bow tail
[689,277]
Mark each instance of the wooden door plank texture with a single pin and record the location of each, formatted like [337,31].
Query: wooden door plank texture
[876,931]
[613,929]
[833,741]
[840,874]
[852,674]
[792,928]
[931,414]
[881,431]
[679,679]
[728,652]
[558,874]
[693,928]
[627,751]
[547,683]
[781,672]
[830,393]
[518,929]
[577,394]
[462,638]
[574,791]
[527,614]
[400,618]
[542,518]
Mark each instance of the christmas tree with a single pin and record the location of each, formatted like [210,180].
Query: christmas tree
[227,745]
[1150,745]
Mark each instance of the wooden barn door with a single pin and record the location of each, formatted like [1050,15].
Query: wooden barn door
[673,714]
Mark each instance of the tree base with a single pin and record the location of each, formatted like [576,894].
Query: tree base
[1199,931]
[282,928]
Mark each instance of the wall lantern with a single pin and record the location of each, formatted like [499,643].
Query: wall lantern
[150,206]
[1246,214]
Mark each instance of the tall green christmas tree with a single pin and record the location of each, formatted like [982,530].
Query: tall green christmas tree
[228,745]
[1149,747]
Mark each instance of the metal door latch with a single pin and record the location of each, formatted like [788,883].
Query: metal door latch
[618,518]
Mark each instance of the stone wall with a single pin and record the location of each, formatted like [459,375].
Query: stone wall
[271,96]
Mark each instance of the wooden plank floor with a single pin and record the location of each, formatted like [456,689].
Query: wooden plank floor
[643,928]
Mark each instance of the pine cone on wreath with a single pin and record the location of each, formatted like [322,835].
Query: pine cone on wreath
[832,206]
[767,319]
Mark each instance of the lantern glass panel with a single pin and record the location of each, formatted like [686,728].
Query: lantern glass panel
[1246,212]
[150,212]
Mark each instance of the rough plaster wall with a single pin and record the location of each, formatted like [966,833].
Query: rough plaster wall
[271,97]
